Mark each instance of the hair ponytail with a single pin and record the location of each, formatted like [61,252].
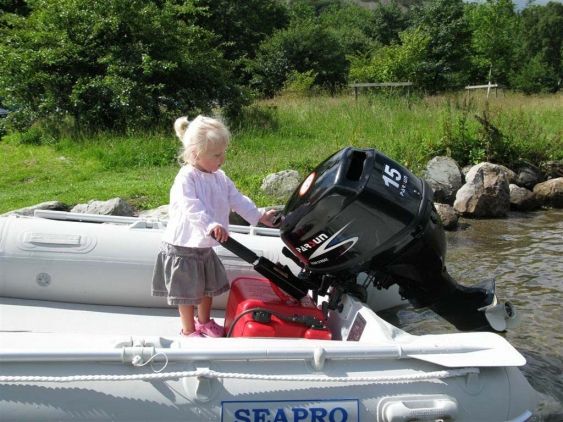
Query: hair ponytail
[180,126]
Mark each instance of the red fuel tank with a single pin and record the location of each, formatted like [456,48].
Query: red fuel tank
[258,308]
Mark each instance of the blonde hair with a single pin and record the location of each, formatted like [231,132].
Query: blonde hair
[199,135]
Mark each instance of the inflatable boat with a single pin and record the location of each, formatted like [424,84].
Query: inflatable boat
[81,338]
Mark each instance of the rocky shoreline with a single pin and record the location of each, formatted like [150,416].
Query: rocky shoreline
[488,190]
[485,190]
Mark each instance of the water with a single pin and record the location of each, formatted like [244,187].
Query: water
[525,254]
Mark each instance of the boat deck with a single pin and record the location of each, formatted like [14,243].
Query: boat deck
[36,316]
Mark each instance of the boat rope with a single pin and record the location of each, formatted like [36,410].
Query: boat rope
[138,361]
[210,374]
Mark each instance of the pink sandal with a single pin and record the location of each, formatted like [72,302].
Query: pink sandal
[195,333]
[210,328]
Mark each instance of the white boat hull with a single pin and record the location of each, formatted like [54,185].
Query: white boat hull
[94,374]
[112,264]
[90,344]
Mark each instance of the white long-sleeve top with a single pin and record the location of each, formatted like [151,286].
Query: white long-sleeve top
[199,201]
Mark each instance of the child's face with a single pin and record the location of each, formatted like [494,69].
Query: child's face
[211,160]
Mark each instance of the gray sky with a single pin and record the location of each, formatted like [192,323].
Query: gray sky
[520,4]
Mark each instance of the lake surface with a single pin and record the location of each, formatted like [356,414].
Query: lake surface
[524,253]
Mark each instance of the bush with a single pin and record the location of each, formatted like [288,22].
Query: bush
[535,76]
[32,136]
[393,63]
[256,118]
[471,136]
[300,48]
[299,83]
[3,130]
[458,139]
[112,65]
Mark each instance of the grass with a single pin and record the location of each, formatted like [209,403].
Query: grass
[77,173]
[284,133]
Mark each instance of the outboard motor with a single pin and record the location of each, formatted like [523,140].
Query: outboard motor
[361,212]
[360,219]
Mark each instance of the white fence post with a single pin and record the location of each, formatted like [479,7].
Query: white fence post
[488,86]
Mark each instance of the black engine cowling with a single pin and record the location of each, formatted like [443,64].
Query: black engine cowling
[361,212]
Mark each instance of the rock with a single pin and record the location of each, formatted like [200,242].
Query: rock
[115,206]
[522,199]
[160,213]
[550,192]
[485,193]
[445,177]
[528,176]
[49,205]
[552,169]
[282,184]
[465,170]
[510,175]
[448,216]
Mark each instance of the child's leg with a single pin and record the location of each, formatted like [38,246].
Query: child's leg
[204,323]
[187,318]
[204,309]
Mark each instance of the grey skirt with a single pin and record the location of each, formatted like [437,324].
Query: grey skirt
[186,275]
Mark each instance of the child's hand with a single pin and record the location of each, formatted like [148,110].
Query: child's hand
[220,234]
[269,218]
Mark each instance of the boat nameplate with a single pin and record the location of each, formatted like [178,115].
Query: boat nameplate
[290,410]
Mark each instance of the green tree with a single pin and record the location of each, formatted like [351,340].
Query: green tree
[389,20]
[10,12]
[111,65]
[494,40]
[535,76]
[540,48]
[307,9]
[352,25]
[542,27]
[17,7]
[240,26]
[447,55]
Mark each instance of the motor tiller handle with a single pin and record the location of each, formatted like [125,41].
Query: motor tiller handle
[239,250]
[277,274]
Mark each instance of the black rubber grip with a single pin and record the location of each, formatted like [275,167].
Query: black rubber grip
[240,250]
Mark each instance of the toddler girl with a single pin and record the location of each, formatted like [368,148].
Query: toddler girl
[187,270]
